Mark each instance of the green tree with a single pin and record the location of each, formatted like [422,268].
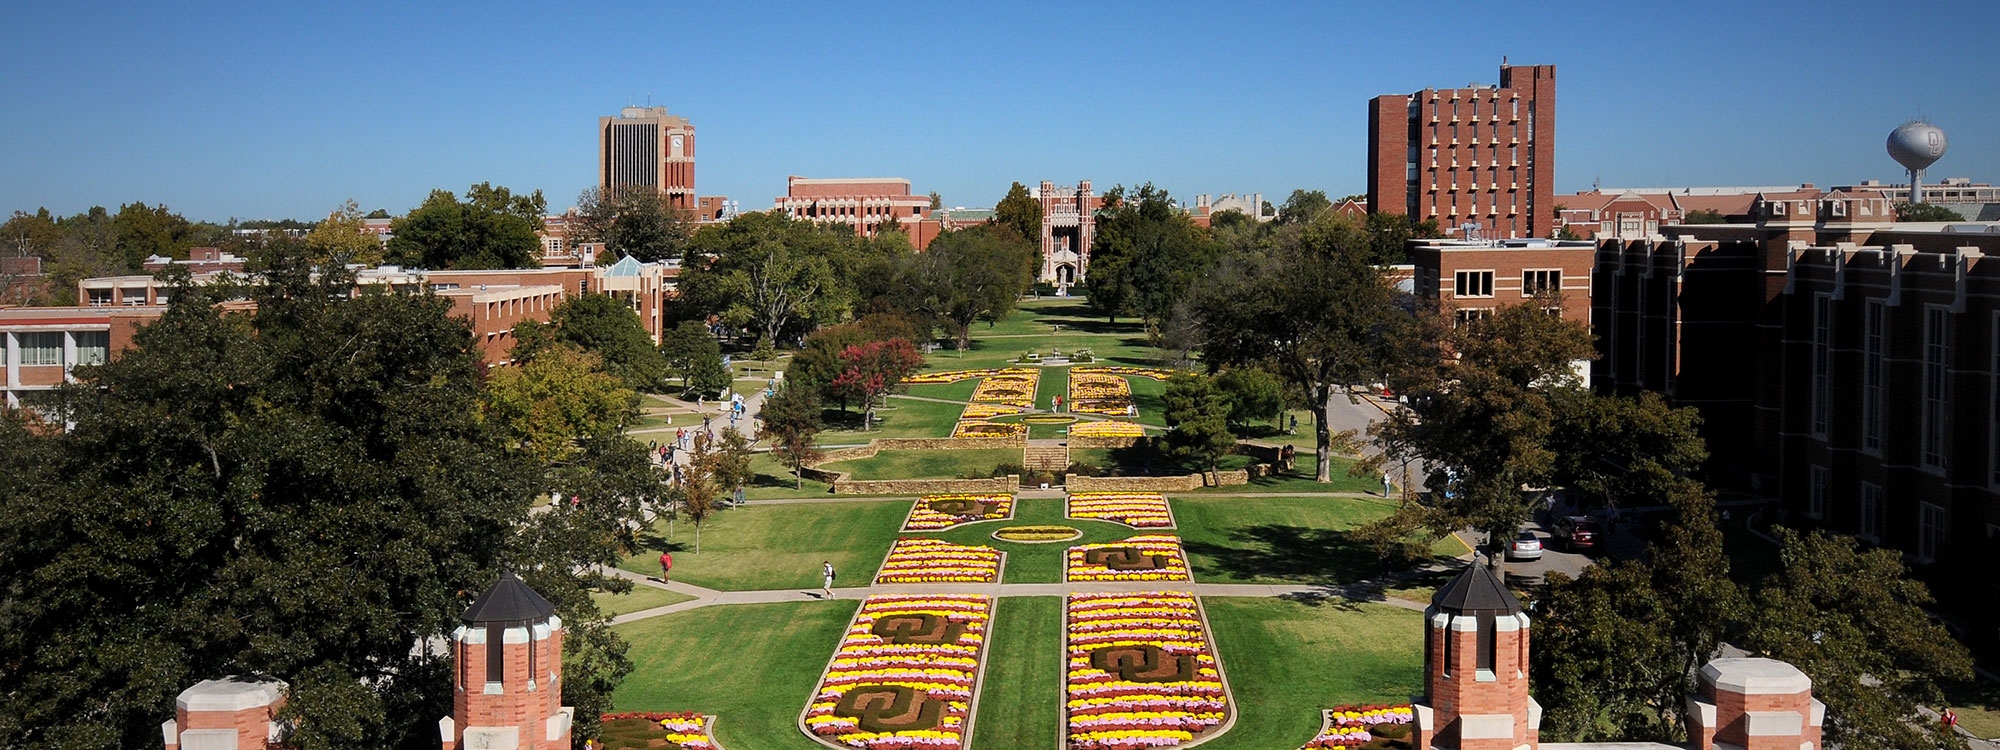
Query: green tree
[1253,394]
[1925,212]
[730,465]
[304,491]
[966,275]
[636,220]
[1021,213]
[380,213]
[145,231]
[26,236]
[1302,206]
[937,201]
[695,358]
[606,327]
[339,240]
[1310,310]
[770,274]
[1613,450]
[790,419]
[697,486]
[1481,412]
[1704,216]
[1388,236]
[562,396]
[1146,256]
[1854,623]
[491,228]
[1197,416]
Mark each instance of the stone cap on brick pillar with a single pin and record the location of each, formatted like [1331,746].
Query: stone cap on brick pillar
[1755,676]
[230,694]
[227,714]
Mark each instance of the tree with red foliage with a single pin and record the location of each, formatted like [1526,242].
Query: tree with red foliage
[869,370]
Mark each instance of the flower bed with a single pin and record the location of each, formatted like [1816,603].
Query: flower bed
[632,730]
[1370,727]
[1099,393]
[1142,372]
[1148,557]
[1139,510]
[903,676]
[1140,672]
[916,560]
[988,429]
[1036,534]
[1107,428]
[936,512]
[1014,386]
[1048,419]
[951,376]
[982,411]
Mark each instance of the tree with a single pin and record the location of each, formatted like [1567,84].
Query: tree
[1925,212]
[1388,235]
[1614,450]
[730,465]
[380,213]
[1309,309]
[305,491]
[491,228]
[606,327]
[1303,206]
[695,358]
[1704,216]
[937,201]
[698,492]
[340,239]
[1856,625]
[1021,213]
[145,231]
[965,275]
[1146,256]
[635,220]
[1481,411]
[561,397]
[790,420]
[819,361]
[770,274]
[870,370]
[1197,416]
[1253,394]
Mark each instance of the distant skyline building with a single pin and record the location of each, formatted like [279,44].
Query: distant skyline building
[1069,225]
[647,147]
[1478,155]
[865,203]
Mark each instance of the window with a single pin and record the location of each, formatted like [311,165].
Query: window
[1937,356]
[41,348]
[92,347]
[1816,491]
[496,652]
[1993,404]
[1822,363]
[1486,643]
[1873,355]
[1538,282]
[1472,283]
[1470,314]
[1930,531]
[1870,523]
[100,298]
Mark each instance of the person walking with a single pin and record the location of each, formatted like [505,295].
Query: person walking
[826,586]
[666,565]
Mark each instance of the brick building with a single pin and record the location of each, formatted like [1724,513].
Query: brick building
[40,345]
[1478,155]
[646,147]
[1474,278]
[1069,226]
[1848,365]
[864,203]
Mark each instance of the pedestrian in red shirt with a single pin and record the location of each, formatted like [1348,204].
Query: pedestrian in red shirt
[666,565]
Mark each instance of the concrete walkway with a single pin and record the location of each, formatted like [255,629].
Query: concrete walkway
[1365,591]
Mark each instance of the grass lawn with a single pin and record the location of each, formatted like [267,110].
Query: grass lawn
[1287,660]
[1032,327]
[954,391]
[776,546]
[752,665]
[776,480]
[641,597]
[1281,539]
[900,418]
[1053,382]
[1035,563]
[1019,702]
[922,464]
[1146,394]
[1978,707]
[1300,480]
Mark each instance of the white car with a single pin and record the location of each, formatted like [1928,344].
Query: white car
[1527,546]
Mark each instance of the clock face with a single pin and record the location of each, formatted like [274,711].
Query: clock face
[677,143]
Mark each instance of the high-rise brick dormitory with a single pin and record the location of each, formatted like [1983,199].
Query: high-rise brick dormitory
[1483,155]
[1843,363]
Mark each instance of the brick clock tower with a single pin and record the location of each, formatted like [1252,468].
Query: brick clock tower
[508,674]
[1476,669]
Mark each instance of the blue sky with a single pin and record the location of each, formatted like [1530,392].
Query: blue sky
[263,110]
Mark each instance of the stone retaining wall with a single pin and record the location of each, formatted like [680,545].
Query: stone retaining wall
[1090,441]
[1172,483]
[997,485]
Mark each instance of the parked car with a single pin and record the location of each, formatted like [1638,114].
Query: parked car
[1577,532]
[1527,546]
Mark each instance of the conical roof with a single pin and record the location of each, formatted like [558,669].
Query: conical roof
[1477,589]
[508,601]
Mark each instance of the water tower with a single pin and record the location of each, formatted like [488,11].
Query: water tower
[1916,145]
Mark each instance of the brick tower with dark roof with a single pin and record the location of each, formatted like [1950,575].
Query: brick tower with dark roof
[1476,669]
[508,675]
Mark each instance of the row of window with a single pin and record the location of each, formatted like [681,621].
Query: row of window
[1930,517]
[1936,363]
[42,348]
[1480,283]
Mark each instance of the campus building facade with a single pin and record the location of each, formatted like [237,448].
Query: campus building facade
[1479,155]
[868,204]
[647,147]
[1843,363]
[1069,226]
